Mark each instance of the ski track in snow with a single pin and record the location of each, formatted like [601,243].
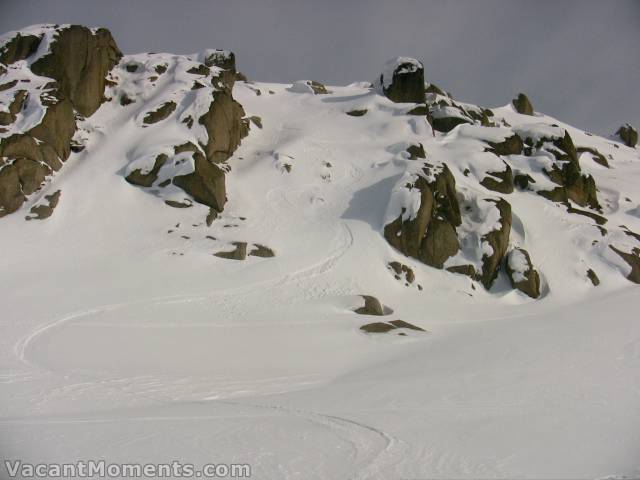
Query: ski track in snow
[448,403]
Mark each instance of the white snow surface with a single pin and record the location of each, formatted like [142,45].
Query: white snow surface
[125,339]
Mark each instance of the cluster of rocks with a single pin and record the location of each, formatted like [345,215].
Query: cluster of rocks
[225,125]
[78,66]
[77,62]
[240,251]
[373,307]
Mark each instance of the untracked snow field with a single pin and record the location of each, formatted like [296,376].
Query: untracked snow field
[125,339]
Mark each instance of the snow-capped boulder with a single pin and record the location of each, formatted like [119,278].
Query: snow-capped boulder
[522,274]
[628,134]
[402,80]
[423,214]
[522,104]
[224,60]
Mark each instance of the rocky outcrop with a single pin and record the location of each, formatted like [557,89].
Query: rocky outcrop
[357,113]
[430,235]
[384,327]
[501,181]
[512,145]
[79,61]
[628,135]
[497,242]
[372,306]
[591,275]
[633,260]
[523,105]
[19,48]
[44,210]
[595,155]
[521,273]
[160,113]
[416,151]
[447,118]
[142,179]
[401,270]
[403,81]
[32,156]
[566,172]
[224,126]
[261,251]
[239,253]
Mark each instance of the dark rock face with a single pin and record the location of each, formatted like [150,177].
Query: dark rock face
[384,327]
[593,277]
[629,135]
[526,279]
[633,260]
[79,61]
[372,306]
[19,48]
[573,184]
[446,124]
[512,145]
[498,240]
[42,211]
[502,182]
[227,62]
[416,151]
[206,183]
[34,155]
[7,118]
[400,270]
[318,88]
[261,251]
[147,179]
[223,122]
[431,235]
[357,113]
[240,252]
[159,114]
[522,180]
[596,155]
[406,84]
[523,105]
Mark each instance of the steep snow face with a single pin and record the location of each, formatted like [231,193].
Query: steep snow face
[143,345]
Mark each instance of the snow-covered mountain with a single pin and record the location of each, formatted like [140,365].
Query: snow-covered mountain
[365,281]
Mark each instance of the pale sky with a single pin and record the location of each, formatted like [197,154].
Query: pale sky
[577,60]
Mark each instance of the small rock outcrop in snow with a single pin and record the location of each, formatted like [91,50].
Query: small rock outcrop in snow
[522,104]
[522,274]
[308,86]
[372,306]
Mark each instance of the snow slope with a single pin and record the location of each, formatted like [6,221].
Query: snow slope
[124,338]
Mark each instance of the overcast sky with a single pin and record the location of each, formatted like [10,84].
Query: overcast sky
[577,60]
